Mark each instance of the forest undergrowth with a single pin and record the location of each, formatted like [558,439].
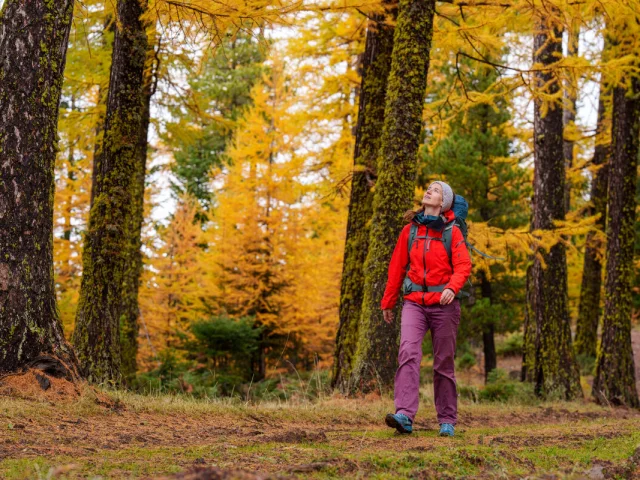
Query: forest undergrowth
[97,433]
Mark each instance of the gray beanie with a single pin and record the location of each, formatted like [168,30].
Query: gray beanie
[447,196]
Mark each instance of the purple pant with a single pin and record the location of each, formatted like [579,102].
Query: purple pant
[443,322]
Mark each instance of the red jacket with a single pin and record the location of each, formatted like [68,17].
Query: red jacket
[432,267]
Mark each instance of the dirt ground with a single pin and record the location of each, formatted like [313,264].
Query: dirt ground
[102,436]
[71,432]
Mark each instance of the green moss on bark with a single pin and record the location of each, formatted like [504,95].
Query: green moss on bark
[376,64]
[615,381]
[550,358]
[107,248]
[376,354]
[586,338]
[32,59]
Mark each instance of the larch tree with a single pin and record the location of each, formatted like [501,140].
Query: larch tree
[586,339]
[129,327]
[86,72]
[219,90]
[554,372]
[473,157]
[615,382]
[375,67]
[107,241]
[375,359]
[570,109]
[33,45]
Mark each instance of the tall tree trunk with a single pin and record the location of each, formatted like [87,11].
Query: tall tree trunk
[376,355]
[103,93]
[556,372]
[529,330]
[107,242]
[569,112]
[488,338]
[129,327]
[615,375]
[376,64]
[586,338]
[33,45]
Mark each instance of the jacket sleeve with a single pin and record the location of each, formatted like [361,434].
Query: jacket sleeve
[460,260]
[397,270]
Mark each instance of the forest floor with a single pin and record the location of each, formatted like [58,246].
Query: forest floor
[72,433]
[120,435]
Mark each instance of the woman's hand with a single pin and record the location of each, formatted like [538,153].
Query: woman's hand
[388,316]
[447,296]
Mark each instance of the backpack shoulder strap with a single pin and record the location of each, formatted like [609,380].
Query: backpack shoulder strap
[413,233]
[447,236]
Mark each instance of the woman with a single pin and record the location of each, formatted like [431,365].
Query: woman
[430,280]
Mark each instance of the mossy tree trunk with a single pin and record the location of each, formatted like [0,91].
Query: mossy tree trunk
[108,240]
[570,107]
[375,67]
[586,338]
[129,327]
[488,330]
[555,370]
[375,360]
[615,376]
[33,44]
[529,329]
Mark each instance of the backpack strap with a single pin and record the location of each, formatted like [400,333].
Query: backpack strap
[447,236]
[413,233]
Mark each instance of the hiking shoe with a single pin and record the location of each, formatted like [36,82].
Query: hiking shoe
[399,421]
[446,430]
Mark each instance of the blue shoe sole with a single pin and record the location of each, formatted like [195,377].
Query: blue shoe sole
[391,421]
[446,434]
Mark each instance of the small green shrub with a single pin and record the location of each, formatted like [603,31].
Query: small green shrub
[511,345]
[500,388]
[587,364]
[469,392]
[466,361]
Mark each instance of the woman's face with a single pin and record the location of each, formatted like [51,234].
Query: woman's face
[433,196]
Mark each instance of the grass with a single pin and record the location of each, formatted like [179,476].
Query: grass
[146,436]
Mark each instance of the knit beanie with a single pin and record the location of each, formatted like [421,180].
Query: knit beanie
[447,196]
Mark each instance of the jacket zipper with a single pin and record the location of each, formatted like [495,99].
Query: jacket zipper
[424,260]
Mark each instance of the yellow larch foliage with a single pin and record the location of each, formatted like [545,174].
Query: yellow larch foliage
[174,285]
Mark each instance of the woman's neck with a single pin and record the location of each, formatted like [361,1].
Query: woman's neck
[429,210]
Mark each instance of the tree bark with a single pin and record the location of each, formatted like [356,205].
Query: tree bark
[615,374]
[488,337]
[107,242]
[569,112]
[556,373]
[376,64]
[530,335]
[376,354]
[33,45]
[586,338]
[129,327]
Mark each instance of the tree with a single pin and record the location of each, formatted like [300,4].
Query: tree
[375,66]
[81,111]
[586,338]
[33,44]
[129,327]
[220,89]
[570,108]
[615,373]
[376,353]
[106,250]
[474,158]
[554,369]
[258,217]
